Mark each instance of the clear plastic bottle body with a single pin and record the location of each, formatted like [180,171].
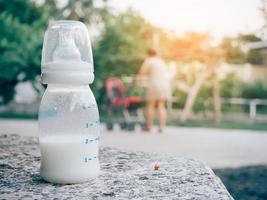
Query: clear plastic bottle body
[69,134]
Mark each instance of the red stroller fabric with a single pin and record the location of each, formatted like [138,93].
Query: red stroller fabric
[116,93]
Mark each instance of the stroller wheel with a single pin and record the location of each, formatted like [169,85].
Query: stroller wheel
[123,125]
[130,126]
[143,126]
[109,126]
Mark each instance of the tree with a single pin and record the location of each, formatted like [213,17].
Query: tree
[121,48]
[20,44]
[263,10]
[190,47]
[211,56]
[233,51]
[197,47]
[23,24]
[253,56]
[91,12]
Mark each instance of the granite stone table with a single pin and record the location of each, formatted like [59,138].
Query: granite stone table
[125,175]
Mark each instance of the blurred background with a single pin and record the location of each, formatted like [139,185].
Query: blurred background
[216,53]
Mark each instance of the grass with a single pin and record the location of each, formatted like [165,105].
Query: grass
[245,183]
[209,124]
[18,116]
[222,125]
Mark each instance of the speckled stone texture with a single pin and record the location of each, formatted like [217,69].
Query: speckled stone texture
[125,175]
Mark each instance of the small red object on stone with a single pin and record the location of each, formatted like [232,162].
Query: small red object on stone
[156,166]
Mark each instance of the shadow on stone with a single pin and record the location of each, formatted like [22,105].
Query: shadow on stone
[246,183]
[37,179]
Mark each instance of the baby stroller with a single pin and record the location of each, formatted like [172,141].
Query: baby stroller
[118,103]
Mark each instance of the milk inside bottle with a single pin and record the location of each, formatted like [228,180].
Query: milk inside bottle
[69,126]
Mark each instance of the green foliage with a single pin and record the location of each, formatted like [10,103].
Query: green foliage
[233,51]
[249,38]
[254,57]
[230,87]
[257,90]
[202,102]
[20,44]
[120,49]
[87,11]
[222,125]
[180,98]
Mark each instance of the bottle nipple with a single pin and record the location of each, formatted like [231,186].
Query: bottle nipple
[66,48]
[67,54]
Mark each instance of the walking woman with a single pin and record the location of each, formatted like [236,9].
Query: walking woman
[158,90]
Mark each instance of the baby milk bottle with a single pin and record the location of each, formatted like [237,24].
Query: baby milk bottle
[68,116]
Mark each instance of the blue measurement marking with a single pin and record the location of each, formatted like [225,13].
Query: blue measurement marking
[48,113]
[88,141]
[87,159]
[87,125]
[84,107]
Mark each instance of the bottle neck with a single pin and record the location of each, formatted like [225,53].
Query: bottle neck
[68,86]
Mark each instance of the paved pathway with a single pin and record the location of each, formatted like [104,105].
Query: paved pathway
[217,147]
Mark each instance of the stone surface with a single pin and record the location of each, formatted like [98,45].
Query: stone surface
[125,175]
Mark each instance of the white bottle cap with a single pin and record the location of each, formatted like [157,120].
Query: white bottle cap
[67,54]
